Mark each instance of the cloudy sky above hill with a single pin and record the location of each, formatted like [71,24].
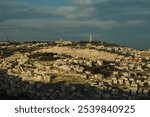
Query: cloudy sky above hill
[125,22]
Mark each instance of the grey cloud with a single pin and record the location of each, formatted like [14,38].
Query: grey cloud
[122,10]
[14,10]
[21,10]
[88,2]
[34,23]
[136,22]
[69,12]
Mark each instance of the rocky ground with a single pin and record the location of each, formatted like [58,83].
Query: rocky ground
[73,70]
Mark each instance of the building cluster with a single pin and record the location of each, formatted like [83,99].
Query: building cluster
[126,77]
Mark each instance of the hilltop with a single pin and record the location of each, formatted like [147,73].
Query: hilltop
[73,70]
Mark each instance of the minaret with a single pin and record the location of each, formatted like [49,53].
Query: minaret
[91,39]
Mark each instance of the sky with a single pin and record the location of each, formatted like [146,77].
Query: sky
[125,22]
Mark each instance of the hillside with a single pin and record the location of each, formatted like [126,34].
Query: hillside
[73,70]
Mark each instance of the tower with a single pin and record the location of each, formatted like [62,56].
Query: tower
[91,39]
[61,36]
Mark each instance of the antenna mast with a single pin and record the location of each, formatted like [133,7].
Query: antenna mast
[61,36]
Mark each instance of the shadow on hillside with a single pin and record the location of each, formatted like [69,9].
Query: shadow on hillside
[13,88]
[7,52]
